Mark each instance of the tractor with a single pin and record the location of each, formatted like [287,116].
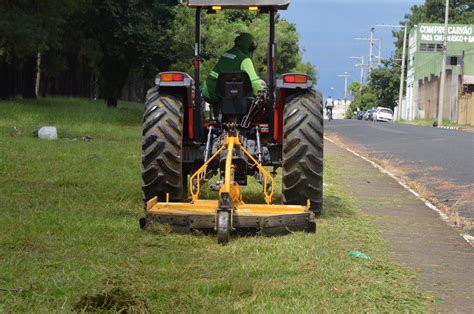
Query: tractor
[183,148]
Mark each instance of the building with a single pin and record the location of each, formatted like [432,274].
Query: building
[424,71]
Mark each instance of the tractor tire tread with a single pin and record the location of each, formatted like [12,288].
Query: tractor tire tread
[162,146]
[303,142]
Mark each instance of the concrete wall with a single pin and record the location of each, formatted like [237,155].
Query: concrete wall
[428,97]
[466,110]
[426,104]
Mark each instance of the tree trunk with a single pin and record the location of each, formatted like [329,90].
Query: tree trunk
[29,78]
[8,77]
[112,102]
[4,94]
[114,74]
[38,74]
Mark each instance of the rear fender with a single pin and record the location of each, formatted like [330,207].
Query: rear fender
[286,85]
[180,83]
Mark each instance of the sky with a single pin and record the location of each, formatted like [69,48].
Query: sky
[327,30]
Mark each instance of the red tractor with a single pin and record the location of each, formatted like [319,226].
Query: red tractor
[182,150]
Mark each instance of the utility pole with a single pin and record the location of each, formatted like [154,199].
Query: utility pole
[402,72]
[345,76]
[362,66]
[371,39]
[443,66]
[462,74]
[380,51]
[371,52]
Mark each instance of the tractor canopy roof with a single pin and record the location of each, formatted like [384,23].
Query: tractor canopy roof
[237,4]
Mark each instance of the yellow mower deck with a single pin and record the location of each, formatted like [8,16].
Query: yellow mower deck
[270,219]
[241,217]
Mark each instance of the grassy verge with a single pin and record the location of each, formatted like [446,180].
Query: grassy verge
[429,122]
[69,236]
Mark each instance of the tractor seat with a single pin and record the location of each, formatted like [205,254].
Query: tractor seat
[235,92]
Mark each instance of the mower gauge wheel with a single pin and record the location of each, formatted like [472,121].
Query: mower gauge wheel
[223,226]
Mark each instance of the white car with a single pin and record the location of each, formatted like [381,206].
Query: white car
[383,114]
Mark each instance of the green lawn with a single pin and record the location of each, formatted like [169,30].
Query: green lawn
[70,240]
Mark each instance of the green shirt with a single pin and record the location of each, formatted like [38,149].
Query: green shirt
[231,61]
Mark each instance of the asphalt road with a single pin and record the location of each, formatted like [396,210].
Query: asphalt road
[442,161]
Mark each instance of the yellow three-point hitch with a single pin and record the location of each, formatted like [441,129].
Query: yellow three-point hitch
[229,212]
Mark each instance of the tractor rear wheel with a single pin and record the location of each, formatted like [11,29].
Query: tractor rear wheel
[303,150]
[162,147]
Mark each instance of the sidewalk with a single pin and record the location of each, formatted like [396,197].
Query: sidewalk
[416,235]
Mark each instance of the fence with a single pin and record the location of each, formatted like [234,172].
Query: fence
[466,110]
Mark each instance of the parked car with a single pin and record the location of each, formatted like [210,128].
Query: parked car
[360,115]
[383,114]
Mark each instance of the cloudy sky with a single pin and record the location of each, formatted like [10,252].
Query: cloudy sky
[327,30]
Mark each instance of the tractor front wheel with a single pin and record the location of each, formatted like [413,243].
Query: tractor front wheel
[303,150]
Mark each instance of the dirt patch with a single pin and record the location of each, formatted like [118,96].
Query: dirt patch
[462,194]
[115,299]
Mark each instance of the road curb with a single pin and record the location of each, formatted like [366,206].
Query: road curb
[449,127]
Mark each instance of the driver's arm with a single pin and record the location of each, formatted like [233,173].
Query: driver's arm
[247,66]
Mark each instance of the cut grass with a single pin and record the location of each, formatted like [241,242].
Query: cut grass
[69,235]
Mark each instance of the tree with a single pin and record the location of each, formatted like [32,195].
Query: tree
[135,36]
[382,89]
[385,82]
[26,29]
[365,99]
[99,48]
[110,38]
[355,88]
[219,31]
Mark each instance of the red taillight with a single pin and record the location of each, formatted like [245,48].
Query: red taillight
[171,77]
[295,79]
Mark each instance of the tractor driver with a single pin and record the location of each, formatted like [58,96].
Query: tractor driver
[236,59]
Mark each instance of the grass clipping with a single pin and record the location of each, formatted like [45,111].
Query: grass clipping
[117,298]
